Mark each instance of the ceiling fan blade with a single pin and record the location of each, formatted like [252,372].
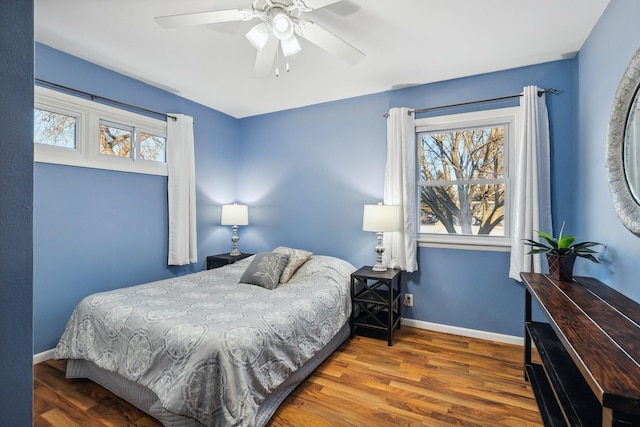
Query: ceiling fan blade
[266,57]
[329,42]
[202,18]
[317,4]
[344,8]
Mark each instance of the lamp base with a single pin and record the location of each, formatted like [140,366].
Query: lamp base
[234,240]
[379,267]
[379,249]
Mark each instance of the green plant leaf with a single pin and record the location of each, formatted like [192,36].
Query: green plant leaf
[552,242]
[566,241]
[561,231]
[589,257]
[534,243]
[536,247]
[584,245]
[538,251]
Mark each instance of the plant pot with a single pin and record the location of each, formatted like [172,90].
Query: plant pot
[561,266]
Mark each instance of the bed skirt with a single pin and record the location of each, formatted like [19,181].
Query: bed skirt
[147,401]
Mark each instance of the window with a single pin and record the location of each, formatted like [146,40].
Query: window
[74,131]
[152,147]
[115,140]
[53,128]
[463,182]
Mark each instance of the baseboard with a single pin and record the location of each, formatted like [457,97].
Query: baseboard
[465,332]
[43,357]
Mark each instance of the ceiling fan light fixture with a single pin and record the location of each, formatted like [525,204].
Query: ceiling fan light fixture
[282,26]
[290,46]
[259,35]
[281,19]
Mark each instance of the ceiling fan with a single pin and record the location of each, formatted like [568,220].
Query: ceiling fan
[280,20]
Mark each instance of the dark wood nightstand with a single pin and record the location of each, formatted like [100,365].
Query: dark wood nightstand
[375,297]
[220,260]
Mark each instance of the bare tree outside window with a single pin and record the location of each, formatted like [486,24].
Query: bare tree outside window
[118,141]
[462,185]
[53,128]
[152,147]
[115,141]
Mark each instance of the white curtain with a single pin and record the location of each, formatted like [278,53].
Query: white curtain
[531,183]
[400,189]
[181,191]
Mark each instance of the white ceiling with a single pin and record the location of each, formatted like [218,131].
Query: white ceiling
[407,42]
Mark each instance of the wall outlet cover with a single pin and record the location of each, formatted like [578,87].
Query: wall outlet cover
[408,300]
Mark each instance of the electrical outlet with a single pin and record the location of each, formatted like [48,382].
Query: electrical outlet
[408,300]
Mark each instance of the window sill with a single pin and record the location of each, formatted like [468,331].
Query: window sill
[159,169]
[466,246]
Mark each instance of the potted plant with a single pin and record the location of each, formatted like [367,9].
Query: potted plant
[561,253]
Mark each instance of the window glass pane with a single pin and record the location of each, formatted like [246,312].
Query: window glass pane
[54,128]
[152,147]
[115,141]
[465,154]
[462,209]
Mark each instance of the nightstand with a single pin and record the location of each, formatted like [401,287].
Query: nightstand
[220,260]
[375,297]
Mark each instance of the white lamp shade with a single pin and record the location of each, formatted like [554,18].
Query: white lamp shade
[282,26]
[290,46]
[235,215]
[259,35]
[381,218]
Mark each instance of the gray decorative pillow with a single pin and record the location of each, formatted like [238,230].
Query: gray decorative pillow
[265,269]
[297,257]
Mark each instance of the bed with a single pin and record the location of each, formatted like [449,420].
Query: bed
[206,348]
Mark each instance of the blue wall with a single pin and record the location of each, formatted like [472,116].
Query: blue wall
[16,209]
[307,172]
[602,61]
[96,229]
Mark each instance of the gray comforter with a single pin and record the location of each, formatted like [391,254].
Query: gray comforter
[209,347]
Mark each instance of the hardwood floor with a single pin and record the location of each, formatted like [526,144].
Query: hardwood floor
[425,379]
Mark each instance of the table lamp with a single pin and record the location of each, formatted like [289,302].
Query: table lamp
[235,215]
[380,218]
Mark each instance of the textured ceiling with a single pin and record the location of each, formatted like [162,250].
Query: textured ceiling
[406,42]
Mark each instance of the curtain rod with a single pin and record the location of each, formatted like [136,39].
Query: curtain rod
[113,101]
[480,101]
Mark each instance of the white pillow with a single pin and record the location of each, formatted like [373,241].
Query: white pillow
[297,257]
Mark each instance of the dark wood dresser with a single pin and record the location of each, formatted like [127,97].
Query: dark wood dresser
[590,352]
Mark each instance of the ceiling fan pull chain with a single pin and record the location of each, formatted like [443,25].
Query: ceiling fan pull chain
[288,64]
[282,22]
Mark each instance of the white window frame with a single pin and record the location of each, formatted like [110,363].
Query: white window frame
[503,116]
[87,152]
